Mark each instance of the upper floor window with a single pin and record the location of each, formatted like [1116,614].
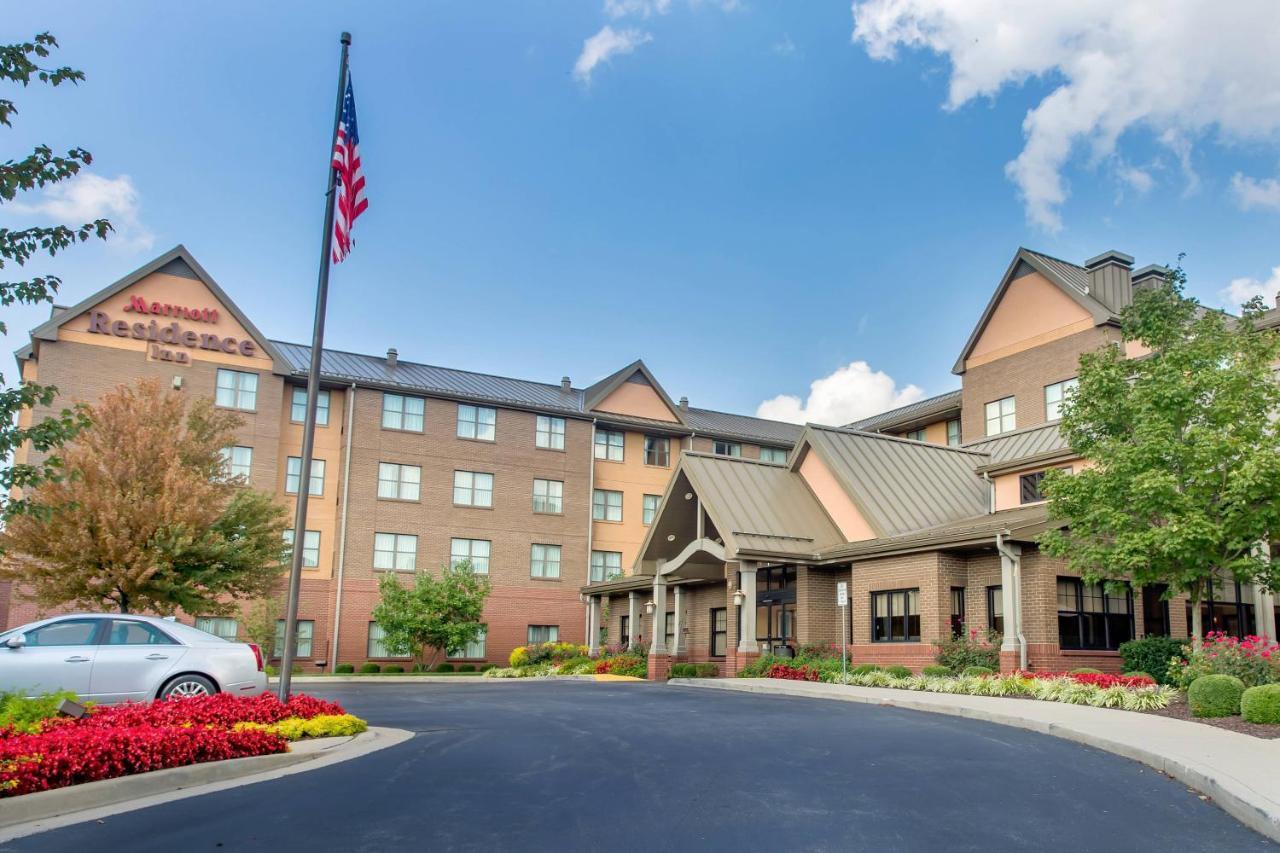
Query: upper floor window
[478,422]
[915,435]
[293,476]
[544,561]
[548,496]
[239,461]
[1000,416]
[1055,395]
[298,407]
[1030,487]
[399,482]
[237,389]
[401,412]
[472,488]
[773,454]
[609,444]
[472,551]
[606,505]
[605,565]
[549,433]
[396,551]
[657,450]
[310,547]
[650,508]
[727,448]
[953,433]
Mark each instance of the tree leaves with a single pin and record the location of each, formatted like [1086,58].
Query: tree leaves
[442,614]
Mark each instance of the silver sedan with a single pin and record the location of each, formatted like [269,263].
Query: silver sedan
[118,658]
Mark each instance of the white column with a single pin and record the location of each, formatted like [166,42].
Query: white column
[593,625]
[1009,600]
[677,639]
[658,644]
[1264,606]
[747,583]
[633,618]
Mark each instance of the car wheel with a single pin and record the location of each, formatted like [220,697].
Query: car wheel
[188,685]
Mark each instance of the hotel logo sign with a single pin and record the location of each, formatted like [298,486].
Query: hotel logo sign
[162,336]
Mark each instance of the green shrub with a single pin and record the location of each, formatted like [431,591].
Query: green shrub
[683,670]
[972,671]
[370,668]
[485,667]
[467,667]
[1261,704]
[393,668]
[1215,696]
[344,669]
[1151,655]
[1253,661]
[1085,670]
[706,670]
[864,668]
[936,670]
[25,714]
[898,671]
[444,667]
[971,649]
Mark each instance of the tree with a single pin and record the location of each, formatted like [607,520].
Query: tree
[443,615]
[259,618]
[148,519]
[40,168]
[1185,480]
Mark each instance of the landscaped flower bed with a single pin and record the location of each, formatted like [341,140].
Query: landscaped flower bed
[550,659]
[139,737]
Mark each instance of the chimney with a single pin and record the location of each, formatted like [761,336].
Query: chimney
[392,355]
[1150,277]
[565,385]
[684,404]
[1109,279]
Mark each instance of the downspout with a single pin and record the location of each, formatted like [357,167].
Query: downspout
[342,537]
[591,523]
[991,492]
[1016,560]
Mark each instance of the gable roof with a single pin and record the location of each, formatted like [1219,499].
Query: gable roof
[595,394]
[1021,524]
[1023,446]
[1071,279]
[899,485]
[742,426]
[177,261]
[931,406]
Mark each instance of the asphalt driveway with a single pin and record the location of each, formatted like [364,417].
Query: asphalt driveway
[617,767]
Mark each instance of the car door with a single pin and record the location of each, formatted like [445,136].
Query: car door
[58,655]
[132,661]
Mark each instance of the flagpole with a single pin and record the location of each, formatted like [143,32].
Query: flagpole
[313,388]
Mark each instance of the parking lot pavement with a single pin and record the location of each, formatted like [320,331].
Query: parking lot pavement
[632,766]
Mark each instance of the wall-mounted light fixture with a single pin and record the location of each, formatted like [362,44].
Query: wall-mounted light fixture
[739,597]
[649,607]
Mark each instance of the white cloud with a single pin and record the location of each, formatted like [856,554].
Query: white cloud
[1179,70]
[603,46]
[87,197]
[785,46]
[1135,178]
[1252,192]
[852,392]
[636,8]
[1241,290]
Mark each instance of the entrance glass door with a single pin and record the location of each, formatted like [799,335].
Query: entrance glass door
[776,610]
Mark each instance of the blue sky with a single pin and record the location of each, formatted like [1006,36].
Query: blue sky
[750,199]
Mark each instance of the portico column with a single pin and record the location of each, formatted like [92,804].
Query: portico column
[1010,601]
[747,583]
[1265,608]
[677,632]
[658,645]
[633,618]
[593,625]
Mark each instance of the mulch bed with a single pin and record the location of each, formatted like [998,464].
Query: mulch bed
[1178,710]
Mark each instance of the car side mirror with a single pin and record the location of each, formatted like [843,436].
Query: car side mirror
[17,641]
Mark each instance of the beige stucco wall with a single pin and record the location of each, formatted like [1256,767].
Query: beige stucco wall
[635,480]
[1032,311]
[1009,489]
[637,400]
[322,509]
[834,499]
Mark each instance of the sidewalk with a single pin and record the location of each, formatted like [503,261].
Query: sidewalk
[1241,773]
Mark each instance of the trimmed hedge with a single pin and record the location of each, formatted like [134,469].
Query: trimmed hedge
[898,671]
[467,667]
[706,670]
[1151,655]
[370,668]
[444,667]
[485,667]
[344,668]
[935,669]
[978,670]
[1261,704]
[1215,696]
[393,668]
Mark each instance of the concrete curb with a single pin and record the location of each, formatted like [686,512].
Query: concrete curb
[406,678]
[45,810]
[1233,791]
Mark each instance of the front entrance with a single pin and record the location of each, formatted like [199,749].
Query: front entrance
[776,610]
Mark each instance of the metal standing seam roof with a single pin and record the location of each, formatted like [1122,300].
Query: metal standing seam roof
[1072,274]
[1021,444]
[901,485]
[724,423]
[1023,524]
[911,411]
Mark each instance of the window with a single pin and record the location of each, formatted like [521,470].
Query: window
[238,461]
[649,508]
[544,634]
[549,433]
[915,435]
[657,450]
[127,632]
[1029,487]
[1055,395]
[544,561]
[727,448]
[298,407]
[776,455]
[471,488]
[377,647]
[995,609]
[609,445]
[399,482]
[670,629]
[310,547]
[548,496]
[624,638]
[67,632]
[1155,611]
[953,433]
[1090,617]
[605,564]
[719,632]
[957,611]
[473,650]
[401,412]
[395,551]
[476,422]
[1000,416]
[302,641]
[236,389]
[293,476]
[895,616]
[1228,606]
[219,626]
[475,551]
[606,505]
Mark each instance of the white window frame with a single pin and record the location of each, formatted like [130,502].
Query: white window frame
[393,474]
[604,564]
[541,564]
[1001,418]
[604,507]
[649,508]
[477,423]
[395,552]
[548,496]
[403,412]
[549,433]
[236,389]
[298,406]
[610,445]
[293,475]
[470,550]
[1057,394]
[310,546]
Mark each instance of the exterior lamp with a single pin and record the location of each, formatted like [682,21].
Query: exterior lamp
[648,607]
[739,597]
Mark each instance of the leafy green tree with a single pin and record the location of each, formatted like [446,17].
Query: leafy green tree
[258,619]
[20,63]
[439,614]
[1185,480]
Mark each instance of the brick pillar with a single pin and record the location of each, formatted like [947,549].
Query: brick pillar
[659,667]
[1009,661]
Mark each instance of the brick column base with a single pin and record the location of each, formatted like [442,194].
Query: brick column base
[659,667]
[1009,662]
[737,661]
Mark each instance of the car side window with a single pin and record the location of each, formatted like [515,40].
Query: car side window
[68,632]
[126,632]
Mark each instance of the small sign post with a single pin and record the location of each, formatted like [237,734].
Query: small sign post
[842,600]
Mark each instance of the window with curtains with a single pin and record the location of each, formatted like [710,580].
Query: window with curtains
[776,455]
[995,609]
[915,435]
[957,611]
[302,639]
[544,634]
[953,433]
[609,444]
[395,551]
[649,508]
[236,389]
[657,450]
[624,636]
[403,413]
[377,646]
[219,626]
[474,551]
[548,496]
[399,482]
[605,565]
[293,476]
[477,422]
[549,433]
[238,461]
[1091,617]
[298,407]
[895,616]
[670,632]
[310,546]
[727,448]
[606,505]
[719,632]
[544,561]
[472,488]
[473,650]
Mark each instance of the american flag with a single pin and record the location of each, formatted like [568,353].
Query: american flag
[350,184]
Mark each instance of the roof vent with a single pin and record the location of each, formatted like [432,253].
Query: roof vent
[1149,277]
[1109,279]
[392,355]
[565,385]
[684,404]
